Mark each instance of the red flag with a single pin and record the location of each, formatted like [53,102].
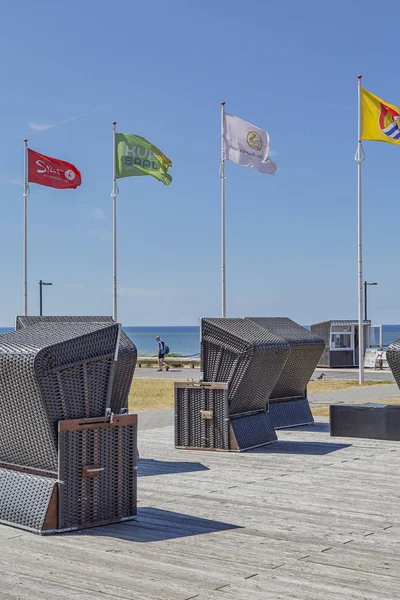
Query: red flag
[52,172]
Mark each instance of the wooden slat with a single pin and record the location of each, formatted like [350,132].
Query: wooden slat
[51,520]
[98,422]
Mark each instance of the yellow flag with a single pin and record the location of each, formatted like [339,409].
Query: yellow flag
[379,119]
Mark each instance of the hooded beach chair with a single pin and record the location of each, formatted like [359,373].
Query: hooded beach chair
[66,460]
[241,363]
[393,358]
[254,376]
[288,403]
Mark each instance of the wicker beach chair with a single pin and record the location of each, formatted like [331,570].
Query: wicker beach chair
[241,363]
[66,462]
[288,404]
[127,355]
[393,358]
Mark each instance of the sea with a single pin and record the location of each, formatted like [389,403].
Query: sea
[181,340]
[186,340]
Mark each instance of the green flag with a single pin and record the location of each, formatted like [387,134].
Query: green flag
[136,156]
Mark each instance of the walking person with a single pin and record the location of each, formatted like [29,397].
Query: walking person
[161,352]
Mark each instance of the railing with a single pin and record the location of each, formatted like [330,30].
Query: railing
[170,360]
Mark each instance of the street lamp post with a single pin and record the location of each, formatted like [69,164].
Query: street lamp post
[41,284]
[365,297]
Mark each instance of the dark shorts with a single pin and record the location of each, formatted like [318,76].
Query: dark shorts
[161,355]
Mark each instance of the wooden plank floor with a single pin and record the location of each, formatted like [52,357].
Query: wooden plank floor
[308,518]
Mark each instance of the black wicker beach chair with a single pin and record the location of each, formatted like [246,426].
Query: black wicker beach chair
[241,363]
[127,355]
[393,358]
[66,461]
[288,404]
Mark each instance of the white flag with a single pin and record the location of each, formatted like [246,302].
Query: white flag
[247,145]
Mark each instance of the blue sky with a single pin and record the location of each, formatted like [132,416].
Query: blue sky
[160,70]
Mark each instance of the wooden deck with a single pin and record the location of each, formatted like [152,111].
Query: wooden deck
[308,518]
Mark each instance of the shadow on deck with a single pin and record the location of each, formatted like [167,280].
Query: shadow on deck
[148,467]
[317,427]
[301,448]
[155,525]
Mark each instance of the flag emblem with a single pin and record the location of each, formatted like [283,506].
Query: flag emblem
[70,175]
[254,140]
[388,122]
[380,121]
[245,144]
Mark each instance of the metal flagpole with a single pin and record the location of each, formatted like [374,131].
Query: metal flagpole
[360,157]
[223,265]
[114,197]
[25,259]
